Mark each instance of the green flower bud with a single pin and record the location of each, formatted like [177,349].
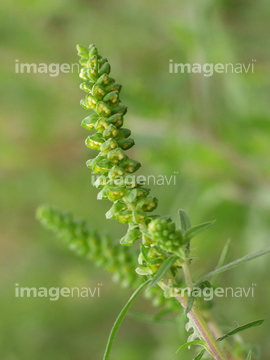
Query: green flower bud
[116,120]
[111,98]
[103,194]
[103,109]
[114,87]
[164,234]
[122,109]
[95,141]
[92,62]
[105,80]
[130,166]
[83,62]
[116,193]
[116,155]
[104,69]
[117,207]
[102,167]
[89,122]
[91,101]
[83,74]
[98,91]
[125,216]
[110,132]
[101,125]
[91,162]
[138,217]
[83,52]
[101,181]
[125,144]
[123,133]
[132,195]
[87,86]
[109,145]
[131,236]
[115,172]
[92,50]
[149,204]
[92,74]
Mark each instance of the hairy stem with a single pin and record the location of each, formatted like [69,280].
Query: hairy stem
[198,320]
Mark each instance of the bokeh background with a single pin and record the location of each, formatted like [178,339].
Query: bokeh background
[214,131]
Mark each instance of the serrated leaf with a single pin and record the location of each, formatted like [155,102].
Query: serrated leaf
[185,221]
[196,230]
[241,328]
[120,319]
[162,271]
[195,342]
[235,263]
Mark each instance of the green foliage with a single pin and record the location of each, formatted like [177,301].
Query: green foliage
[194,342]
[234,264]
[120,319]
[241,328]
[162,271]
[164,247]
[132,201]
[85,240]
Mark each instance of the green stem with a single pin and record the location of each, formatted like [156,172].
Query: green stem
[198,320]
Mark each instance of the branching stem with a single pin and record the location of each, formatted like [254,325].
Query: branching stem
[198,320]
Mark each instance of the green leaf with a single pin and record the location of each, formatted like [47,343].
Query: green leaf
[200,355]
[196,230]
[241,328]
[195,342]
[162,271]
[222,260]
[249,355]
[234,264]
[190,303]
[120,319]
[185,221]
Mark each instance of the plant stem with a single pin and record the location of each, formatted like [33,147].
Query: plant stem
[198,320]
[194,314]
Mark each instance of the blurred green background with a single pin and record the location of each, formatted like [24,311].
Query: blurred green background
[214,131]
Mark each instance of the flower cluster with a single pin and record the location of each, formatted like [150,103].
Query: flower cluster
[131,201]
[83,239]
[166,235]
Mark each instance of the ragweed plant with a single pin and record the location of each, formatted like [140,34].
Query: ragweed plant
[163,259]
